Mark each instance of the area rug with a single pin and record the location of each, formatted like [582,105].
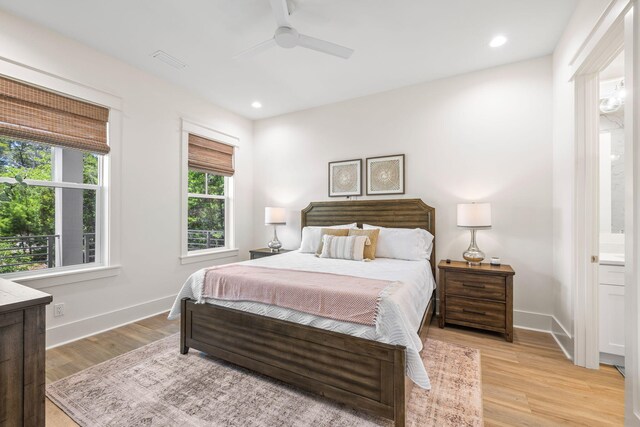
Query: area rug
[157,386]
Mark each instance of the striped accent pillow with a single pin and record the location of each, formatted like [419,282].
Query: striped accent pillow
[344,247]
[332,232]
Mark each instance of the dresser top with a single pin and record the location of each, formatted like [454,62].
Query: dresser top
[15,297]
[504,269]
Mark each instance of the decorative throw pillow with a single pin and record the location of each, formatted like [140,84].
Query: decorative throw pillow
[311,237]
[344,247]
[372,234]
[331,232]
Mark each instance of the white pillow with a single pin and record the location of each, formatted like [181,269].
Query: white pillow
[413,244]
[311,237]
[344,247]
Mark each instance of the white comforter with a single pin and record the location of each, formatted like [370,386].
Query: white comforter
[398,319]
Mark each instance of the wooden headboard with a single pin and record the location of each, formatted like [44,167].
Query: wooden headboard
[396,213]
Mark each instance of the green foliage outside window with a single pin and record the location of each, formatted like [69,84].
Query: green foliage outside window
[206,216]
[29,210]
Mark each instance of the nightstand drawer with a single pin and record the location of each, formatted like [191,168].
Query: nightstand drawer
[486,313]
[476,286]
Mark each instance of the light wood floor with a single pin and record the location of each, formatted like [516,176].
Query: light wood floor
[527,383]
[532,383]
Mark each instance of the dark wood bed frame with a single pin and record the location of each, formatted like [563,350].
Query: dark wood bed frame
[364,374]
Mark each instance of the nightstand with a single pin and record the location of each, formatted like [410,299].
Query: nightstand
[477,296]
[264,252]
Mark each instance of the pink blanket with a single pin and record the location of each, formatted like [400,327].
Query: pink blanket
[338,297]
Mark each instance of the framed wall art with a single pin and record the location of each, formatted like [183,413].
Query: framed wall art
[385,175]
[345,178]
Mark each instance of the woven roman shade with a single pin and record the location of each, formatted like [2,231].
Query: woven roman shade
[34,114]
[210,156]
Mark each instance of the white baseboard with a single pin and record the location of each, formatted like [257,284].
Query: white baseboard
[611,359]
[78,329]
[532,321]
[545,323]
[562,337]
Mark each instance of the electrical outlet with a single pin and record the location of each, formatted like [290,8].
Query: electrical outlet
[58,310]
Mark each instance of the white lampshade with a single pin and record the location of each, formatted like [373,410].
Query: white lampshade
[274,216]
[474,215]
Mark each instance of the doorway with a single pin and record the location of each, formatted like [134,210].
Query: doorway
[617,29]
[611,195]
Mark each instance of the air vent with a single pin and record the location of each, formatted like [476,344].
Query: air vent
[168,59]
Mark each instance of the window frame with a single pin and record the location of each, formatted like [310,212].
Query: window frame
[230,249]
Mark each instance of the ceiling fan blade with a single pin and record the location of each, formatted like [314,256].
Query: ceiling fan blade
[281,12]
[255,50]
[324,46]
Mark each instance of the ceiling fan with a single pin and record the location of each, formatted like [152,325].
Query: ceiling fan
[287,37]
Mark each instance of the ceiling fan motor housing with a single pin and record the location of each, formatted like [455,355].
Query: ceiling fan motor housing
[286,37]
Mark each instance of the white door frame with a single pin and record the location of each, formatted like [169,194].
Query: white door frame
[632,217]
[618,27]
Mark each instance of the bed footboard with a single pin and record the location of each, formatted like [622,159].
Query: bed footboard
[360,373]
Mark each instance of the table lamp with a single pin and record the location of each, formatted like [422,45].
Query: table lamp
[275,217]
[474,216]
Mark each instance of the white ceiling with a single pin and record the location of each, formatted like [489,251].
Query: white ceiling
[397,43]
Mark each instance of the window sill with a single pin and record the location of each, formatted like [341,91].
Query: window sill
[59,278]
[208,256]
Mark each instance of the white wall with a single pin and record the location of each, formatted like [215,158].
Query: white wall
[582,22]
[149,217]
[485,136]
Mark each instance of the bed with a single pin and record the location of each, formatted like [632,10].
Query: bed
[348,366]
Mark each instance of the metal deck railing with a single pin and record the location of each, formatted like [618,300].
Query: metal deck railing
[27,252]
[205,239]
[19,253]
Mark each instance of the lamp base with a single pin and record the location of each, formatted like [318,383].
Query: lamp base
[473,255]
[274,244]
[473,258]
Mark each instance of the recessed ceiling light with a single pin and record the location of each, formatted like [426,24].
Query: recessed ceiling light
[256,104]
[498,41]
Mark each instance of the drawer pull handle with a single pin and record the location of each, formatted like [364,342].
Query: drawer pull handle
[482,313]
[473,285]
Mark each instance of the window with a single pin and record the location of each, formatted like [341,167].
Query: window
[52,158]
[208,169]
[207,203]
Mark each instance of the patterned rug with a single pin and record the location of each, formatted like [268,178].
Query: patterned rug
[156,386]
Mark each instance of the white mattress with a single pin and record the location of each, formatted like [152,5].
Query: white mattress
[400,313]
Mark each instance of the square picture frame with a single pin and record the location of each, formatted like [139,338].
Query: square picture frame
[385,175]
[345,178]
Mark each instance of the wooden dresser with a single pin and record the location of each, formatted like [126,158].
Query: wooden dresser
[22,354]
[477,296]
